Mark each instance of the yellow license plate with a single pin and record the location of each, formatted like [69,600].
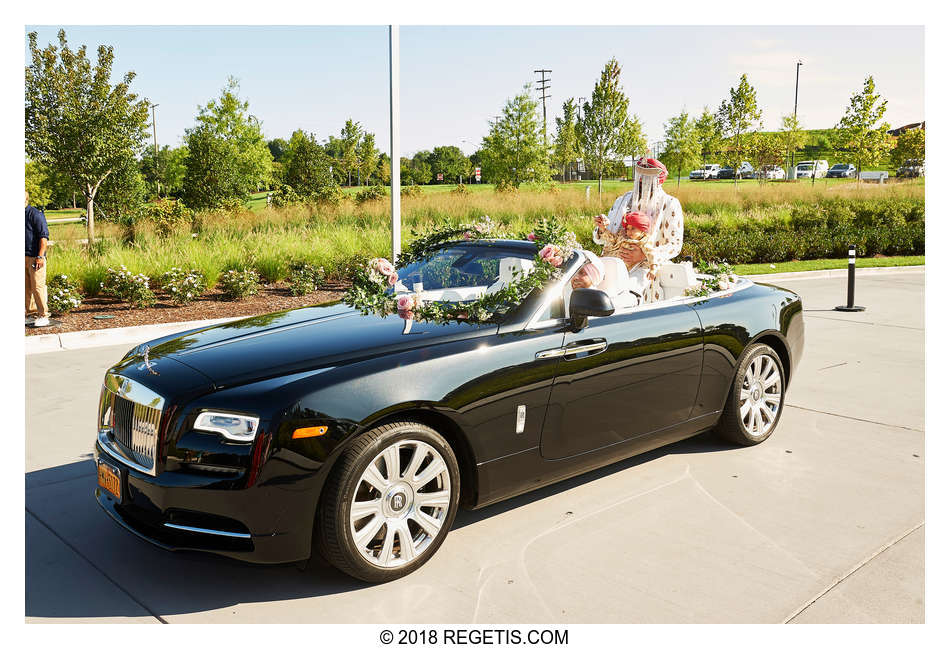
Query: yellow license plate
[110,479]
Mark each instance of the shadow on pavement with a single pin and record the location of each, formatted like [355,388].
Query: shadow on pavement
[79,564]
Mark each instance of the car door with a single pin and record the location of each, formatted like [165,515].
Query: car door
[623,376]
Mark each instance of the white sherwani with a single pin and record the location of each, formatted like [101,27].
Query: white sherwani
[666,233]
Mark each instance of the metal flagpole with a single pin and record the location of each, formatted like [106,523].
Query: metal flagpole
[394,137]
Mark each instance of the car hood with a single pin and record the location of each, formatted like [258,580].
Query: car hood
[300,339]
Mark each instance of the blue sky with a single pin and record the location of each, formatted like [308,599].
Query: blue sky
[456,78]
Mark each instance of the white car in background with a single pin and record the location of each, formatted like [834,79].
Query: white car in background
[811,169]
[773,172]
[707,172]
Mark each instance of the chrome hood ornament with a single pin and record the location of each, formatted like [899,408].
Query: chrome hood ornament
[147,364]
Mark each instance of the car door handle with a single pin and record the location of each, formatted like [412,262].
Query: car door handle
[591,347]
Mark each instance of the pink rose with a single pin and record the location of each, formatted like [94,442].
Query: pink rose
[392,279]
[467,235]
[481,228]
[405,302]
[551,254]
[384,267]
[531,236]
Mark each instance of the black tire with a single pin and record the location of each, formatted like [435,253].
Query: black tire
[334,532]
[731,426]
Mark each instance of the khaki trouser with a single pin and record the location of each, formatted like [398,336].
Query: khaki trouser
[36,289]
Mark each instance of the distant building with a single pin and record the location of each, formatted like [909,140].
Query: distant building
[908,127]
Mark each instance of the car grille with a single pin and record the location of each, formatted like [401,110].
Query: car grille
[131,426]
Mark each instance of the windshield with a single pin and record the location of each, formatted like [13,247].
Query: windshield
[805,165]
[840,167]
[708,167]
[465,272]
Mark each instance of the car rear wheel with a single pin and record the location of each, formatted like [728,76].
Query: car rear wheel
[755,402]
[390,502]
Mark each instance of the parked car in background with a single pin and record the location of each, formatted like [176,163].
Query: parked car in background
[707,172]
[842,170]
[811,169]
[726,173]
[746,170]
[911,169]
[772,172]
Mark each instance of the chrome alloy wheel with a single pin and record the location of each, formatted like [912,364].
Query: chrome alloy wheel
[400,503]
[761,396]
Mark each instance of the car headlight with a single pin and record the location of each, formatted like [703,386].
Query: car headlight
[240,428]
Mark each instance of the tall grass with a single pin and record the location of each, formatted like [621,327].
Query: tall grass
[269,240]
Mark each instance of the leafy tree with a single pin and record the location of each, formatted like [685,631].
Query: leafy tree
[708,134]
[421,170]
[861,131]
[682,143]
[78,124]
[514,149]
[350,141]
[367,157]
[123,192]
[765,149]
[166,170]
[736,116]
[384,169]
[603,123]
[278,148]
[450,162]
[632,141]
[791,136]
[910,146]
[225,135]
[308,166]
[36,187]
[566,143]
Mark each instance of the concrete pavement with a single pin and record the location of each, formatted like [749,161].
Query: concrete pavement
[821,523]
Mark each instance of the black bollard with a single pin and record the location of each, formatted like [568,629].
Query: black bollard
[850,306]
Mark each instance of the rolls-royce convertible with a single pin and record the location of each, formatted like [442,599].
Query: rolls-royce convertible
[361,434]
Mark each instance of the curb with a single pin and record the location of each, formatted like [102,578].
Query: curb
[835,272]
[43,343]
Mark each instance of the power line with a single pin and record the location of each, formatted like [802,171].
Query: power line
[544,87]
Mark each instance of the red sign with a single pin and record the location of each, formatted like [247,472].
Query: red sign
[438,176]
[478,173]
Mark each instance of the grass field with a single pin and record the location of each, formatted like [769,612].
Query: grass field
[827,264]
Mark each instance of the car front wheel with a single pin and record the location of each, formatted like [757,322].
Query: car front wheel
[390,502]
[755,402]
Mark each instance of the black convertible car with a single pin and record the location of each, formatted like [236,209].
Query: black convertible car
[362,434]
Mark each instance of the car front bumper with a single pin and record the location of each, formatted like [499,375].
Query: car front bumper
[182,512]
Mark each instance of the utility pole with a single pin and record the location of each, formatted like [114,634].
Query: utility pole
[155,149]
[798,65]
[544,87]
[394,188]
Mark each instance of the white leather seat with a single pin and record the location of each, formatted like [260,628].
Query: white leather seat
[676,278]
[510,268]
[615,276]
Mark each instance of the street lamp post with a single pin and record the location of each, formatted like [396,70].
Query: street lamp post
[155,149]
[791,169]
[394,139]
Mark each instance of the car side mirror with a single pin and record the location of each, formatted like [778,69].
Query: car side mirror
[586,302]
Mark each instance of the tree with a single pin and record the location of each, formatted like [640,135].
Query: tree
[566,143]
[36,186]
[603,126]
[791,136]
[166,170]
[450,162]
[514,149]
[307,168]
[736,116]
[910,146]
[861,131]
[349,141]
[384,169]
[682,143]
[226,135]
[632,141]
[765,149]
[278,148]
[123,192]
[77,123]
[708,134]
[367,156]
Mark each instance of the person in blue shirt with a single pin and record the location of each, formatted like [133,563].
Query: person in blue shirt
[37,238]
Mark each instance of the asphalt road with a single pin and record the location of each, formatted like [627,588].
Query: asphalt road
[821,523]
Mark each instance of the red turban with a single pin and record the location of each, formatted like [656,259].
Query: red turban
[639,220]
[656,164]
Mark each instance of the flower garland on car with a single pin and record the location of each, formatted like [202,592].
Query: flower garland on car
[372,289]
[720,277]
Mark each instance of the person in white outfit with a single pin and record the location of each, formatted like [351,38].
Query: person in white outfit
[665,237]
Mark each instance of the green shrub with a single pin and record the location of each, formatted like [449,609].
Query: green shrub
[411,191]
[461,190]
[505,187]
[284,195]
[63,294]
[168,216]
[371,193]
[539,187]
[128,287]
[239,284]
[332,195]
[233,205]
[183,287]
[305,278]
